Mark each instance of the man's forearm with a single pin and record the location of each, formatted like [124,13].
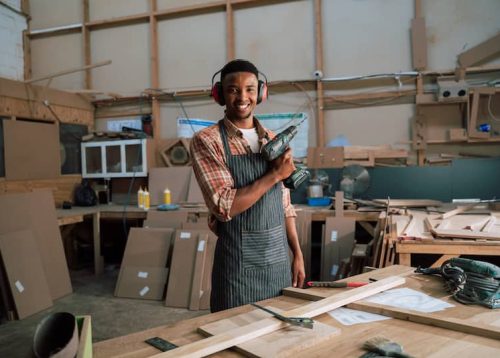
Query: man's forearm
[292,236]
[247,196]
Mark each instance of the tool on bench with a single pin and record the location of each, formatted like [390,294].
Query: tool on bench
[277,146]
[335,284]
[470,281]
[295,321]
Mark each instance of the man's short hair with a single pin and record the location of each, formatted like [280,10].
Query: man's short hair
[238,66]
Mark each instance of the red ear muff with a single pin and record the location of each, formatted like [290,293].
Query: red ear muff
[217,94]
[262,92]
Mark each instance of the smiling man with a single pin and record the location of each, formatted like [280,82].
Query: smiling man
[250,209]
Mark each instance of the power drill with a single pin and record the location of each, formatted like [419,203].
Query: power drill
[276,147]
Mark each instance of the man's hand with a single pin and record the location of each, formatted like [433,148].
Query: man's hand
[283,165]
[298,271]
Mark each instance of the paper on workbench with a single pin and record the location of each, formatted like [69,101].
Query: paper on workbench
[348,317]
[409,299]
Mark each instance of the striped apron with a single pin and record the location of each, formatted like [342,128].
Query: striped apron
[251,260]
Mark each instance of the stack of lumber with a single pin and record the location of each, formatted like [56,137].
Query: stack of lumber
[456,224]
[368,156]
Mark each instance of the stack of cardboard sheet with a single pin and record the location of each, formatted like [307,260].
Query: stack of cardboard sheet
[143,272]
[189,282]
[33,257]
[458,223]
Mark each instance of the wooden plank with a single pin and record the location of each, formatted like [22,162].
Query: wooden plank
[410,202]
[339,204]
[481,52]
[455,324]
[65,72]
[253,330]
[472,123]
[230,31]
[418,43]
[458,210]
[318,50]
[325,157]
[87,57]
[282,343]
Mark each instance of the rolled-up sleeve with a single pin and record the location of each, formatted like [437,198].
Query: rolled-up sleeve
[213,176]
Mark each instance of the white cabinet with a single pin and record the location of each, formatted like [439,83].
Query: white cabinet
[114,158]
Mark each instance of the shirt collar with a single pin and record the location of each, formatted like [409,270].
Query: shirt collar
[233,131]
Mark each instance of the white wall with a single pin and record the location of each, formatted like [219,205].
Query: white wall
[12,26]
[359,37]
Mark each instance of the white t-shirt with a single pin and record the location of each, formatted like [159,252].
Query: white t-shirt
[252,138]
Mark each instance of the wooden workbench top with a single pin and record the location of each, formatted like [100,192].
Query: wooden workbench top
[418,340]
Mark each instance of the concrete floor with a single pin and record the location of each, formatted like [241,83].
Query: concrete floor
[111,316]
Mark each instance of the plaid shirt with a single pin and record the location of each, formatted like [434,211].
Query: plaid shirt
[212,173]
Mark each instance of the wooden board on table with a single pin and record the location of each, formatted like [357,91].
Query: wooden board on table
[281,343]
[409,202]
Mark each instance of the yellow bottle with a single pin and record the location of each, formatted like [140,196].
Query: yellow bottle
[140,198]
[146,199]
[167,198]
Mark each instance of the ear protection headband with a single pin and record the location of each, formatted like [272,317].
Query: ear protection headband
[218,95]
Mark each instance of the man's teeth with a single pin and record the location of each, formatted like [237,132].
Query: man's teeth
[242,106]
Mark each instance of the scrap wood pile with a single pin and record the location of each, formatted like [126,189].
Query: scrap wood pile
[429,223]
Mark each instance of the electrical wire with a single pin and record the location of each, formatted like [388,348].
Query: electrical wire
[490,112]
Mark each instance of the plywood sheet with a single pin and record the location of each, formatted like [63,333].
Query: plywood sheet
[31,150]
[176,179]
[206,283]
[25,272]
[182,267]
[338,243]
[147,247]
[36,211]
[281,343]
[142,282]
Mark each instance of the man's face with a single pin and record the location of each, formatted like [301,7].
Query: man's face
[240,93]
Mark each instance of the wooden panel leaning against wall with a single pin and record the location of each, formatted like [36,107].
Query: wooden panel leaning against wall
[19,101]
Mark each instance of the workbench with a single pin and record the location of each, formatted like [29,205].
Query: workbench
[76,214]
[446,248]
[419,340]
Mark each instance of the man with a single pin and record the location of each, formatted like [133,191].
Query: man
[250,209]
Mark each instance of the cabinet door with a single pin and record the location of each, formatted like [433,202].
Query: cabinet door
[113,159]
[134,158]
[92,160]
